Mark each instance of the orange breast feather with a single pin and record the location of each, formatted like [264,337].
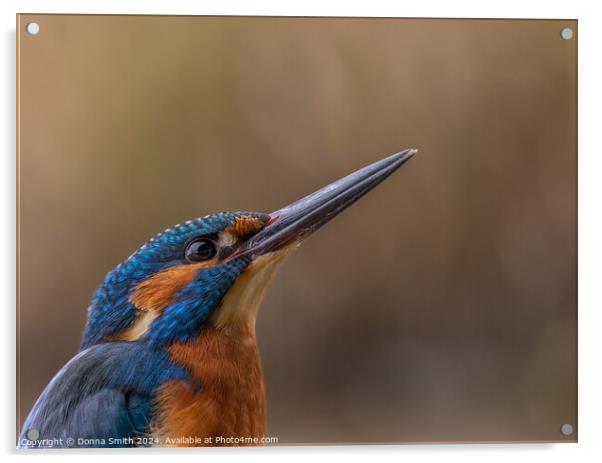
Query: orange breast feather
[231,399]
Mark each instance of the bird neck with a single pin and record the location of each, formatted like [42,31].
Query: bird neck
[240,305]
[231,398]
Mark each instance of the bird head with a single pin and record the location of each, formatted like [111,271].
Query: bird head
[213,271]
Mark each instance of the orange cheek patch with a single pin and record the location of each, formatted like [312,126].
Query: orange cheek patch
[244,226]
[158,291]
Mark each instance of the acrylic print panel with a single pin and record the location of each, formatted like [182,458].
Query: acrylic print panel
[441,307]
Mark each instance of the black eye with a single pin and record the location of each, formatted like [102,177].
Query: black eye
[200,250]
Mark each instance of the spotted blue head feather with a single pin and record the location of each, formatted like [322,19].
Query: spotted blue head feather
[111,311]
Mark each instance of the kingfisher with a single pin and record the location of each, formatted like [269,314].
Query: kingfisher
[169,355]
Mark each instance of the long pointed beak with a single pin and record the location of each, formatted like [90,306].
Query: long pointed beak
[300,219]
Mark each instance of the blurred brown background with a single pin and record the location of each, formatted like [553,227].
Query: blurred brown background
[440,307]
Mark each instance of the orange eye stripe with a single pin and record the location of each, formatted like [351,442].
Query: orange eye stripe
[158,291]
[244,226]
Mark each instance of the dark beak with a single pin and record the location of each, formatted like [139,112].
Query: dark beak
[300,219]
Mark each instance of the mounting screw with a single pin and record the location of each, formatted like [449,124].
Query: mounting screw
[566,33]
[33,434]
[32,28]
[566,429]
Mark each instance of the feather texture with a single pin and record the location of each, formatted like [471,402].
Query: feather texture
[232,400]
[111,310]
[104,392]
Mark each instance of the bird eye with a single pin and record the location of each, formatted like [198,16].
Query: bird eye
[200,250]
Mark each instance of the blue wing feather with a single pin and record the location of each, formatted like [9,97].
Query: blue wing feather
[105,391]
[111,419]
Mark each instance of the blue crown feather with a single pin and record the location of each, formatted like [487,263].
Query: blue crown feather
[111,311]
